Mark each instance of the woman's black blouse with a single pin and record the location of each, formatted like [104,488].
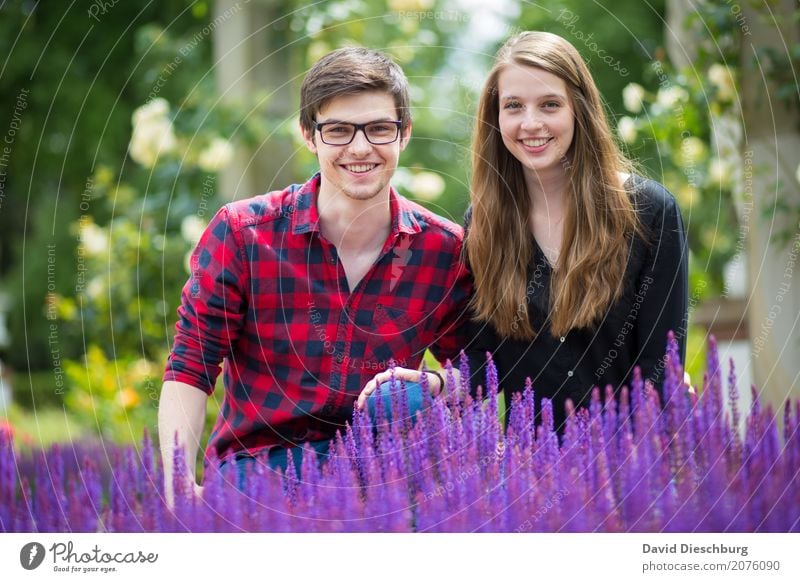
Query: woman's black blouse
[633,331]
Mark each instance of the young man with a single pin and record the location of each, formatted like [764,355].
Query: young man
[308,293]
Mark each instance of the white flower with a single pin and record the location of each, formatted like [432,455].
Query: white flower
[192,228]
[152,138]
[216,156]
[692,150]
[410,5]
[141,368]
[687,196]
[735,276]
[668,97]
[626,128]
[718,172]
[721,77]
[150,111]
[427,185]
[633,96]
[94,239]
[95,288]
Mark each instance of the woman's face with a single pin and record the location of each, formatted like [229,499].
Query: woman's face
[537,120]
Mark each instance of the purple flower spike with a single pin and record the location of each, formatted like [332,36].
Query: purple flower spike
[492,383]
[452,386]
[625,464]
[380,411]
[713,387]
[290,475]
[427,397]
[397,395]
[464,371]
[733,403]
[547,415]
[516,418]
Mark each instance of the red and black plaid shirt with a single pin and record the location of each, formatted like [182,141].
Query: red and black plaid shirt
[269,296]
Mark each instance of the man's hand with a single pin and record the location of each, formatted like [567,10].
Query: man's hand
[196,490]
[181,415]
[400,374]
[687,379]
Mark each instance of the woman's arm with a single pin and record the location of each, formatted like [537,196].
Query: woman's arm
[662,286]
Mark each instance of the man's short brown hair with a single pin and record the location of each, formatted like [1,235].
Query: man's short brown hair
[351,70]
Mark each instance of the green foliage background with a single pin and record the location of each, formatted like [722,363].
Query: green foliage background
[70,165]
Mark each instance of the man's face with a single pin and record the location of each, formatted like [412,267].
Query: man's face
[360,170]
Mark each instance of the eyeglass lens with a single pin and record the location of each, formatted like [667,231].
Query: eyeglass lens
[377,133]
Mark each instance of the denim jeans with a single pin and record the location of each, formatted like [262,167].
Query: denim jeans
[414,398]
[277,458]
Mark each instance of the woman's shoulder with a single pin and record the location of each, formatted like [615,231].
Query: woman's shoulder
[651,198]
[467,219]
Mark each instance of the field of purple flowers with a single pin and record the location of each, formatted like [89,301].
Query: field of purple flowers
[621,465]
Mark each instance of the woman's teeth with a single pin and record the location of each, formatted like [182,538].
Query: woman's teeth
[535,143]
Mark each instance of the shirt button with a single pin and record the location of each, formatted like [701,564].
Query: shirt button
[561,339]
[570,373]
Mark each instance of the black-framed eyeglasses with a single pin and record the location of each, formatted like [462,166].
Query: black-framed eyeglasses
[343,133]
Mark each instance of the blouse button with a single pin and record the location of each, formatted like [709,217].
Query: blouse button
[570,373]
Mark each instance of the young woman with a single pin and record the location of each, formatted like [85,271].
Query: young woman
[580,266]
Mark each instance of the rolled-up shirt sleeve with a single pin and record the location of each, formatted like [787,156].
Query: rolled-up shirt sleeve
[213,306]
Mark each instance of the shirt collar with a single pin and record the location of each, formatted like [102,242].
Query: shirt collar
[305,217]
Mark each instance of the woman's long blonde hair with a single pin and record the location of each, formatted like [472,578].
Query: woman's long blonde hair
[599,221]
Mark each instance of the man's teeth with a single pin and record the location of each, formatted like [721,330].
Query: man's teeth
[360,168]
[535,143]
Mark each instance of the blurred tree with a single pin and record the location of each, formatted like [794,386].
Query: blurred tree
[72,66]
[617,39]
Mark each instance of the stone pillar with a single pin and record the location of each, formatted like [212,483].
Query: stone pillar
[772,154]
[681,41]
[254,55]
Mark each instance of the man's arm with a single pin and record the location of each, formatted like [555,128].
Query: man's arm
[210,318]
[181,412]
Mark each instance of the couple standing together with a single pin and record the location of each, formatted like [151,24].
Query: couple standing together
[568,261]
